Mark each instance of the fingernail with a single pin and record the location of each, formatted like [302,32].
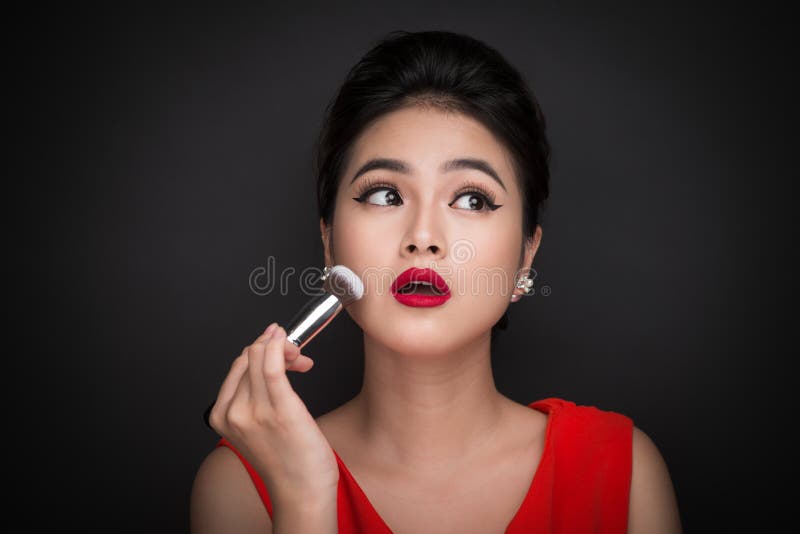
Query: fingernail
[270,328]
[280,332]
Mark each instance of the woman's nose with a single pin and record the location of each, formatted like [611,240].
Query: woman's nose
[424,235]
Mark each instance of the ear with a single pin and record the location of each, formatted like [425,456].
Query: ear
[531,246]
[326,232]
[529,251]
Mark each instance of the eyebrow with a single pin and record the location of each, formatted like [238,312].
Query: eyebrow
[395,165]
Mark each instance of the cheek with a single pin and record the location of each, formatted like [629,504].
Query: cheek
[365,250]
[349,235]
[492,252]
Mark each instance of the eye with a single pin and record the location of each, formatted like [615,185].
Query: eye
[380,195]
[474,201]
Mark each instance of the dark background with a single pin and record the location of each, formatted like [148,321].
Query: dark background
[159,155]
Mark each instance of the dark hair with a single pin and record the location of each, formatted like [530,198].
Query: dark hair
[446,71]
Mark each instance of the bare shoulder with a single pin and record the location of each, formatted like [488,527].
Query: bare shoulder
[653,505]
[224,498]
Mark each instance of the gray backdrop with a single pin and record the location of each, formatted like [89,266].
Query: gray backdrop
[160,155]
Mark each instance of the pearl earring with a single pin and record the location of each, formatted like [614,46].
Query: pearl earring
[525,283]
[326,271]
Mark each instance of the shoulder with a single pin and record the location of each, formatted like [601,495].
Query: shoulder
[653,505]
[591,427]
[614,439]
[224,498]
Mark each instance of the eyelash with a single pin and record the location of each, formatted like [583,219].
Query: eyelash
[369,186]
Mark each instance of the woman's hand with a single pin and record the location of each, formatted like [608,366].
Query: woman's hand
[263,417]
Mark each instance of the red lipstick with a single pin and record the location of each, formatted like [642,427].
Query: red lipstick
[420,288]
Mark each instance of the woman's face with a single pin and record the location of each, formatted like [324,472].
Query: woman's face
[427,215]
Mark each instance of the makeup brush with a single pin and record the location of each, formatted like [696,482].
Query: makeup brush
[340,288]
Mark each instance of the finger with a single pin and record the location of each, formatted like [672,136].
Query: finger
[267,333]
[294,360]
[238,368]
[290,352]
[258,388]
[278,387]
[229,385]
[238,415]
[241,397]
[301,364]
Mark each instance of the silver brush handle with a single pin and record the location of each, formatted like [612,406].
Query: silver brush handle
[308,322]
[312,318]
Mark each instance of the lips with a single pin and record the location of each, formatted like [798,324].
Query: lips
[402,291]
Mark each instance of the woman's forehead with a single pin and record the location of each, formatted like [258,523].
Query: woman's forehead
[425,139]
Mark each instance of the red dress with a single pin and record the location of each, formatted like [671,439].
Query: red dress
[582,483]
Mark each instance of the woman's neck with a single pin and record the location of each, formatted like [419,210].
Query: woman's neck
[428,413]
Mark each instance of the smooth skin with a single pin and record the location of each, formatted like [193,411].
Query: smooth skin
[415,435]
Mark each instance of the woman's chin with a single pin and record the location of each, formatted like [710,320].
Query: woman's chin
[419,338]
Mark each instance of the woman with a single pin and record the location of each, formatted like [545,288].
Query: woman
[433,165]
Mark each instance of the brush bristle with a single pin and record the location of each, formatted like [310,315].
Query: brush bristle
[344,284]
